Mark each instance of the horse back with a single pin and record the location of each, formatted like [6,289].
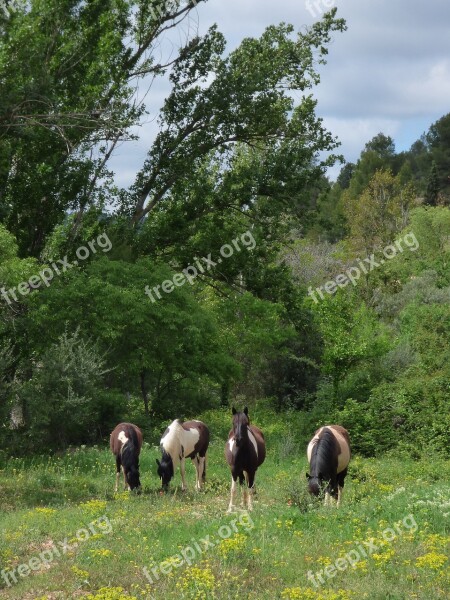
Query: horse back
[201,445]
[343,440]
[340,432]
[131,432]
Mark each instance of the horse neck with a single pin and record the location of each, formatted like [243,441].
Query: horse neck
[172,443]
[314,467]
[246,435]
[320,457]
[245,438]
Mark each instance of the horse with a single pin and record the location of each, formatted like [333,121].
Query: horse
[181,440]
[245,451]
[125,442]
[328,455]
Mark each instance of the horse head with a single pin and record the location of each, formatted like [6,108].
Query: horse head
[240,426]
[132,476]
[315,484]
[165,470]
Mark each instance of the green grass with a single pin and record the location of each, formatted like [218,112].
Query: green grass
[44,499]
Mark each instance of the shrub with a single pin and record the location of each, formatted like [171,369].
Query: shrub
[63,398]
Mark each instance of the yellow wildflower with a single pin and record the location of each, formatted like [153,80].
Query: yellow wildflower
[107,593]
[432,560]
[231,545]
[80,573]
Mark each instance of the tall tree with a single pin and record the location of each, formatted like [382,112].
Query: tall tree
[438,140]
[379,213]
[346,175]
[249,101]
[432,192]
[69,71]
[378,154]
[152,345]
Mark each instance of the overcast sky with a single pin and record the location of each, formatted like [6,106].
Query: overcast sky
[389,72]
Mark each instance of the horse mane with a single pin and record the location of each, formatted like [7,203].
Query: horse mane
[167,462]
[170,443]
[237,420]
[321,452]
[129,451]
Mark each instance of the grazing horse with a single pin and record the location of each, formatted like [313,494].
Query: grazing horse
[328,455]
[180,441]
[126,442]
[245,451]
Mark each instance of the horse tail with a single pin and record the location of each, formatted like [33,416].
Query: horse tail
[131,449]
[134,439]
[322,451]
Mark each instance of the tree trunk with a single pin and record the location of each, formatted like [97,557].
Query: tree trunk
[144,393]
[225,392]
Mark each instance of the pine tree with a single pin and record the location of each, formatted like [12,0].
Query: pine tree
[432,192]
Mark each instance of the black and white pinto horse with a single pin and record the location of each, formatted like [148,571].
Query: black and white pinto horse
[328,456]
[245,451]
[180,441]
[125,442]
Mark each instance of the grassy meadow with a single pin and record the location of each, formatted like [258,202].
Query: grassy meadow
[394,508]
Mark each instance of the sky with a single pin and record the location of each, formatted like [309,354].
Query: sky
[389,72]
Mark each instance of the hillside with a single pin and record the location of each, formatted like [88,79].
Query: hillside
[391,532]
[172,247]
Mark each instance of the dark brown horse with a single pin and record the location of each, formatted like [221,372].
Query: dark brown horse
[245,451]
[125,443]
[180,441]
[328,455]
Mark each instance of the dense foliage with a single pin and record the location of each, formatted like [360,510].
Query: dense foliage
[198,285]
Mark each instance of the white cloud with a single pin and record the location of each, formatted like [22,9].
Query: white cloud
[356,130]
[389,72]
[431,89]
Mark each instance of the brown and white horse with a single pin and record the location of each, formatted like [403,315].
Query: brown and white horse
[180,441]
[126,442]
[245,451]
[328,456]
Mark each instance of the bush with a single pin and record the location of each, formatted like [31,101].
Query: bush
[63,398]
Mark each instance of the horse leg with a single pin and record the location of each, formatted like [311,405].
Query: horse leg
[334,491]
[335,496]
[341,477]
[126,486]
[204,469]
[243,488]
[201,471]
[244,500]
[196,462]
[330,491]
[251,490]
[183,474]
[117,474]
[232,506]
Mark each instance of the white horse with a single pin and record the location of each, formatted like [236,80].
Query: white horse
[180,441]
